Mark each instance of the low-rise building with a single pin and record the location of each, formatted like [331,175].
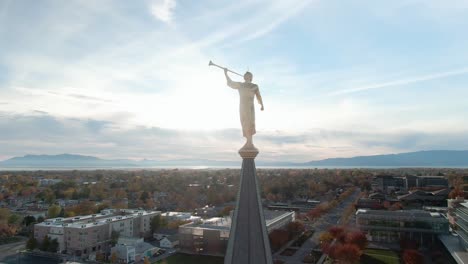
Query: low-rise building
[210,237]
[169,242]
[392,226]
[85,235]
[131,250]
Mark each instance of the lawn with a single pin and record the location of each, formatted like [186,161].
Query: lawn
[187,259]
[380,256]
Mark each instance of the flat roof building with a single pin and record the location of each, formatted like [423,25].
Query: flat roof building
[392,226]
[210,237]
[84,235]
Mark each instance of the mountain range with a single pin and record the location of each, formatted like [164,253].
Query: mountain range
[432,158]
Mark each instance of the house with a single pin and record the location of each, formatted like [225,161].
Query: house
[162,233]
[130,250]
[124,253]
[169,242]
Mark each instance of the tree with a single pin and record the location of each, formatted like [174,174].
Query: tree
[53,211]
[412,256]
[347,253]
[45,244]
[28,220]
[337,232]
[114,237]
[31,243]
[278,238]
[155,223]
[144,196]
[295,228]
[113,258]
[357,238]
[226,210]
[325,237]
[40,219]
[14,219]
[53,245]
[457,192]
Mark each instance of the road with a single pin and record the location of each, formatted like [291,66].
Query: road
[322,224]
[8,250]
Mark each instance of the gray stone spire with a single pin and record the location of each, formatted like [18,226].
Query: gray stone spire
[248,239]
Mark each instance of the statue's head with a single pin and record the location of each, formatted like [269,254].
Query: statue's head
[248,76]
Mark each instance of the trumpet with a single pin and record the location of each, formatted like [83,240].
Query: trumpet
[213,64]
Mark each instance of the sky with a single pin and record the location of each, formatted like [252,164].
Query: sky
[130,79]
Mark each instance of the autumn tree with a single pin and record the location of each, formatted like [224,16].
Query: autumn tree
[412,256]
[457,192]
[53,211]
[113,258]
[347,253]
[338,233]
[295,228]
[325,238]
[357,238]
[278,238]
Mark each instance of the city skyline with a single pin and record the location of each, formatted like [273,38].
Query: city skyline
[131,80]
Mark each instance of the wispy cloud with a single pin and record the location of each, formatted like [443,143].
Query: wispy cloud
[406,81]
[163,10]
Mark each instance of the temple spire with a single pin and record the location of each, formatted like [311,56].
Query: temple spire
[248,239]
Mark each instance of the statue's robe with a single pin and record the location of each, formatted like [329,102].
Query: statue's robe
[247,93]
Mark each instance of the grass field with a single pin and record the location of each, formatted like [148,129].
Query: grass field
[380,256]
[187,259]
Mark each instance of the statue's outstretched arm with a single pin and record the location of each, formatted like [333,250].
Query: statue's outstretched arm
[259,98]
[230,83]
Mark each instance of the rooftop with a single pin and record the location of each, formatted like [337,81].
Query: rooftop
[452,245]
[105,217]
[224,223]
[400,213]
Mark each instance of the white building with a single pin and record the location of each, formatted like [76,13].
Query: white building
[86,235]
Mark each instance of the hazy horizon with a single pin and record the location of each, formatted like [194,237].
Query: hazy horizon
[131,80]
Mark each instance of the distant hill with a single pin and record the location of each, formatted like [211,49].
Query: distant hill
[80,161]
[62,161]
[434,158]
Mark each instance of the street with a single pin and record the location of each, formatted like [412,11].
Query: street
[320,225]
[8,250]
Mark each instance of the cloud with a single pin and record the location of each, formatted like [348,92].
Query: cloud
[163,10]
[40,133]
[401,82]
[91,98]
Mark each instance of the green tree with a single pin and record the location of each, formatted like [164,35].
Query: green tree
[155,223]
[53,211]
[144,196]
[45,244]
[28,220]
[14,219]
[114,237]
[53,245]
[31,243]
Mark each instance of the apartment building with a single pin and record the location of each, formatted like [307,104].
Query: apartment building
[85,235]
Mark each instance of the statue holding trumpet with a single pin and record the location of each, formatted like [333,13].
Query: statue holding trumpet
[247,91]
